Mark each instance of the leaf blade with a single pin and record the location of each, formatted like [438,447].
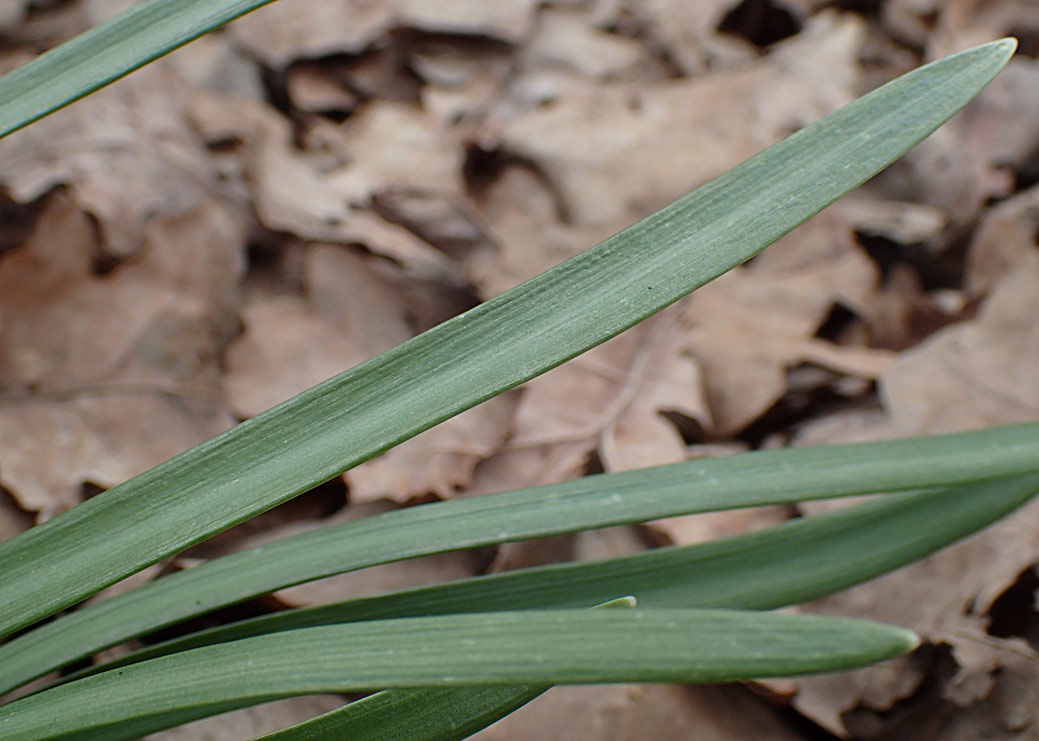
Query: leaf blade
[760,478]
[434,714]
[472,357]
[425,714]
[530,647]
[786,564]
[103,54]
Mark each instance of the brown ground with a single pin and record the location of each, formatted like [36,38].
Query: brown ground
[325,178]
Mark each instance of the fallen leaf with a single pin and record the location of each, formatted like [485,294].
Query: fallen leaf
[638,712]
[973,374]
[349,314]
[755,322]
[13,519]
[564,37]
[686,30]
[115,372]
[314,28]
[612,399]
[623,151]
[125,152]
[1006,240]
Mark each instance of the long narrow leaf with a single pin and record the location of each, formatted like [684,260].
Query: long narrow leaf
[434,714]
[446,714]
[762,478]
[102,55]
[503,342]
[530,647]
[783,565]
[426,714]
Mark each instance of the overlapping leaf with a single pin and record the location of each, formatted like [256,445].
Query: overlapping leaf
[508,340]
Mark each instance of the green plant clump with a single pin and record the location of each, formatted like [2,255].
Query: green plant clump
[453,658]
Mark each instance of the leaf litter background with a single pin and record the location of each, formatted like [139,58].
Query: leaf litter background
[326,178]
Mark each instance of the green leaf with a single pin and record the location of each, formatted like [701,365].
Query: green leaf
[436,714]
[513,648]
[761,478]
[506,341]
[790,563]
[102,55]
[427,714]
[863,540]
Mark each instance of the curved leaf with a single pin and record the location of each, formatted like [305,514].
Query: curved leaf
[768,477]
[472,357]
[528,647]
[786,564]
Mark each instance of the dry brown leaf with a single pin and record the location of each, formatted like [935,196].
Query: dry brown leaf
[974,374]
[350,313]
[13,13]
[440,461]
[640,436]
[752,324]
[619,152]
[1007,714]
[685,30]
[94,440]
[692,529]
[564,37]
[390,145]
[1006,237]
[13,519]
[213,63]
[609,542]
[285,349]
[312,87]
[281,32]
[903,313]
[392,152]
[524,220]
[945,599]
[959,24]
[33,26]
[612,397]
[125,152]
[111,374]
[972,159]
[899,221]
[305,193]
[640,712]
[521,467]
[462,84]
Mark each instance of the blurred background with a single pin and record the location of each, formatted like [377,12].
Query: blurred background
[324,179]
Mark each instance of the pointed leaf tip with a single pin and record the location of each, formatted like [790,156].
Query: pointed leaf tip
[1007,45]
